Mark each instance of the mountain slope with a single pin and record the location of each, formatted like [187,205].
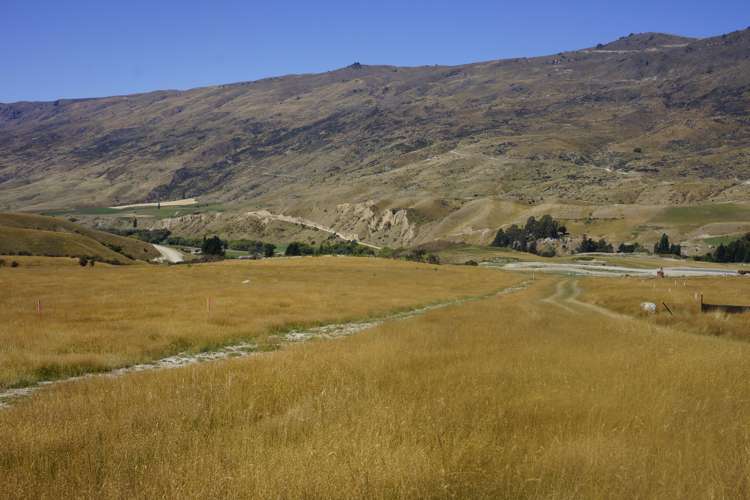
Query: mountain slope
[648,119]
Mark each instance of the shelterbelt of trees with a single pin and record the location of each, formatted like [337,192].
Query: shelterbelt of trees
[531,238]
[736,251]
[525,238]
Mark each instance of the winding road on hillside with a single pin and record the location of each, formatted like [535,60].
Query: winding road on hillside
[265,216]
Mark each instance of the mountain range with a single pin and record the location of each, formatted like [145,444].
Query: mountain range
[649,120]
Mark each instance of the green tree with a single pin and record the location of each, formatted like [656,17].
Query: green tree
[662,246]
[299,248]
[213,246]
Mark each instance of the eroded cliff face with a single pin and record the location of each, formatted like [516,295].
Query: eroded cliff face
[384,227]
[377,224]
[363,222]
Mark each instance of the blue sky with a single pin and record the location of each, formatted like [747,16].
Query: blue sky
[76,48]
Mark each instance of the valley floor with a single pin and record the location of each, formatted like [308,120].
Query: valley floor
[556,389]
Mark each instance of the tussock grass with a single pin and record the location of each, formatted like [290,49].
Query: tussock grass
[502,398]
[99,318]
[625,295]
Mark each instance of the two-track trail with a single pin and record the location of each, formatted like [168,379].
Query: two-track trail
[244,349]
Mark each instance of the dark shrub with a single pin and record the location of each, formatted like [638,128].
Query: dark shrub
[298,248]
[589,245]
[213,246]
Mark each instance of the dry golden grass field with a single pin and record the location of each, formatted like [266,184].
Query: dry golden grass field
[625,295]
[99,318]
[531,394]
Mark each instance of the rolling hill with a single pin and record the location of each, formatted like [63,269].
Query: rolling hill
[406,155]
[40,235]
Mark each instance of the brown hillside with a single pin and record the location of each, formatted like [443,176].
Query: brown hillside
[40,235]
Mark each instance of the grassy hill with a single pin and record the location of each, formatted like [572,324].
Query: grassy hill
[41,235]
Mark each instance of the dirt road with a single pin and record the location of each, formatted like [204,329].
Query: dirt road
[566,297]
[265,216]
[613,271]
[169,254]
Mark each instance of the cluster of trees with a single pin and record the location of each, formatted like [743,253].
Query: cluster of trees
[664,247]
[355,249]
[179,241]
[410,254]
[590,245]
[253,246]
[736,251]
[630,248]
[299,248]
[329,248]
[525,238]
[218,247]
[345,248]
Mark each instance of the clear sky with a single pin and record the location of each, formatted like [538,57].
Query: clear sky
[51,49]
